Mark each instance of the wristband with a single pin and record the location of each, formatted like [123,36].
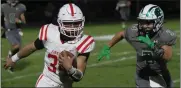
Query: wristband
[75,74]
[15,58]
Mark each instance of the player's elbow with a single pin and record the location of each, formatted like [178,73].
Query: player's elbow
[167,53]
[76,80]
[121,34]
[167,56]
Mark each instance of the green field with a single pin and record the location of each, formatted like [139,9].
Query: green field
[119,71]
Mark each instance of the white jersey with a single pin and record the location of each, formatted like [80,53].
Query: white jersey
[50,36]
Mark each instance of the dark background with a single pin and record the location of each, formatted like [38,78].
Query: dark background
[97,10]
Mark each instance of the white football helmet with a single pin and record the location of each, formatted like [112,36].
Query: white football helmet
[71,21]
[152,13]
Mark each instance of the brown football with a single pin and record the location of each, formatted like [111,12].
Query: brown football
[67,53]
[71,56]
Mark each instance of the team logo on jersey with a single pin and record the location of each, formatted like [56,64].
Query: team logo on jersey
[155,41]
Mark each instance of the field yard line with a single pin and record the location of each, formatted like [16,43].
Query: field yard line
[108,62]
[109,37]
[89,66]
[177,31]
[93,54]
[177,80]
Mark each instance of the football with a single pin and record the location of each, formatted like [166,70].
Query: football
[69,54]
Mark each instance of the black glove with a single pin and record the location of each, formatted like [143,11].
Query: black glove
[158,52]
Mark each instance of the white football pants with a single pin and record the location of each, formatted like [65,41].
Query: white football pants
[44,81]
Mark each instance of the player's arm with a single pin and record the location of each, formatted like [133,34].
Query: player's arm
[77,73]
[117,37]
[22,17]
[28,50]
[106,49]
[24,52]
[165,49]
[167,52]
[21,20]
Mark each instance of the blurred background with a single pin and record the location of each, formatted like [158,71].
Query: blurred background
[96,10]
[102,21]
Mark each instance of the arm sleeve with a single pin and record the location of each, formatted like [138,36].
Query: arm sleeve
[125,34]
[43,34]
[131,33]
[86,45]
[38,44]
[90,48]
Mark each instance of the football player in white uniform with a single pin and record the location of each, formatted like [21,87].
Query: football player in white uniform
[67,36]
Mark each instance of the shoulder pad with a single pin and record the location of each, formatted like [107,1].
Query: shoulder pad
[22,7]
[43,32]
[168,37]
[86,44]
[3,5]
[131,32]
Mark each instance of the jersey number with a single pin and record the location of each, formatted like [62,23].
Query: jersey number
[170,32]
[147,53]
[52,67]
[12,17]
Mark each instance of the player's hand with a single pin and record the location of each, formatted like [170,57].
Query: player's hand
[65,60]
[104,52]
[18,20]
[9,63]
[146,40]
[20,32]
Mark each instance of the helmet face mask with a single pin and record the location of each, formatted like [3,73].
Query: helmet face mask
[71,29]
[150,19]
[71,21]
[146,26]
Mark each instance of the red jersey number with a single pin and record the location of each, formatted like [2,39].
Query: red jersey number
[52,67]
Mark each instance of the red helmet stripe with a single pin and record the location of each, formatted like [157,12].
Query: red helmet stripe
[71,9]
